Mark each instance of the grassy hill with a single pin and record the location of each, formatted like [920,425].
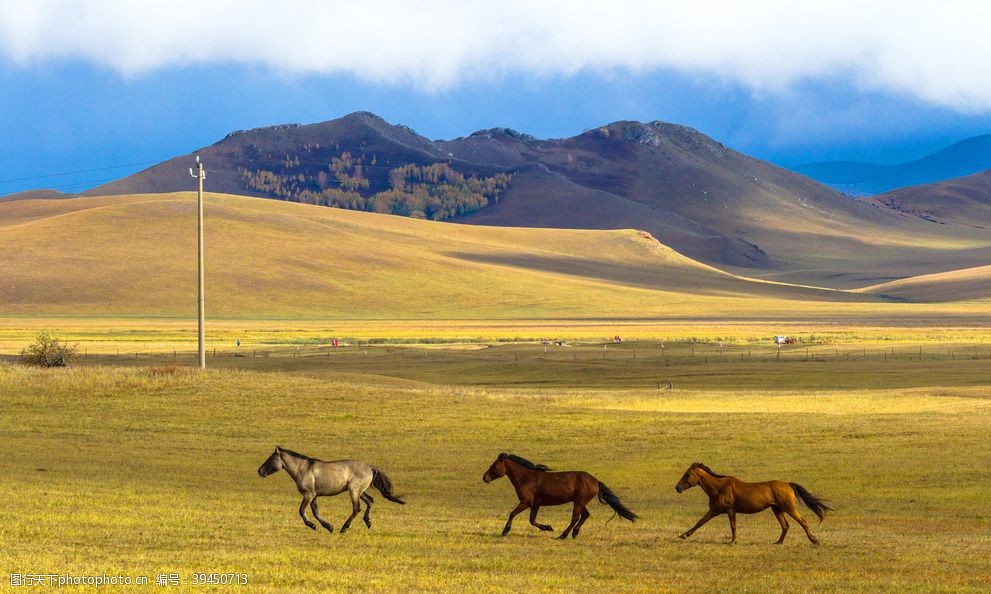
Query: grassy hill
[964,201]
[135,255]
[955,285]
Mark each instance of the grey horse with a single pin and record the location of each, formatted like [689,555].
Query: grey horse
[315,478]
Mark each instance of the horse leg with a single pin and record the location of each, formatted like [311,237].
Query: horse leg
[316,514]
[368,508]
[581,520]
[575,514]
[533,519]
[355,508]
[302,511]
[732,525]
[708,516]
[801,522]
[783,520]
[509,523]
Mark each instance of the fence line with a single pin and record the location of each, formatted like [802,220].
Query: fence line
[530,353]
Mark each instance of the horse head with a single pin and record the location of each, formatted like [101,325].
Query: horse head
[273,464]
[497,470]
[689,479]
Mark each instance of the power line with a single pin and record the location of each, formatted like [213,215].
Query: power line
[80,184]
[372,184]
[65,173]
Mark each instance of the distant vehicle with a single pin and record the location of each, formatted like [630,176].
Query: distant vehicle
[779,340]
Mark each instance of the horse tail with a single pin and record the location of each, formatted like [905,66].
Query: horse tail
[381,482]
[816,504]
[609,498]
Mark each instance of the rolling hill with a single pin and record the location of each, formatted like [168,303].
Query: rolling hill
[695,195]
[956,285]
[135,255]
[964,201]
[864,179]
[37,195]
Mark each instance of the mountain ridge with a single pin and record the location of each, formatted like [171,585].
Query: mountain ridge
[960,159]
[704,199]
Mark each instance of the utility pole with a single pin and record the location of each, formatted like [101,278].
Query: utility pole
[200,175]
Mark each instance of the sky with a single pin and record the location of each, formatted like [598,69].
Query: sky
[94,90]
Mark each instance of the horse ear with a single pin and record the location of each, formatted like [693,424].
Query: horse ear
[278,448]
[502,455]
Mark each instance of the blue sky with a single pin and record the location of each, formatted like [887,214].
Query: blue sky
[134,83]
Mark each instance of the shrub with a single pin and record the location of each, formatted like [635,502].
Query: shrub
[48,351]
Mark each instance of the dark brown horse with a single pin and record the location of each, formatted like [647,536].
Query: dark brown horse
[536,486]
[729,495]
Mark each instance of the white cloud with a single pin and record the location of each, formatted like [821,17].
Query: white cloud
[939,52]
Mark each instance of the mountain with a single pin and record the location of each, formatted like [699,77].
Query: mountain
[136,255]
[863,179]
[701,198]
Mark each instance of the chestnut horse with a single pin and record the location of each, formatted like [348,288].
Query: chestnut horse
[536,486]
[729,495]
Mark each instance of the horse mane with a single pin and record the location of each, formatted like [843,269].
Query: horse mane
[298,455]
[526,463]
[709,470]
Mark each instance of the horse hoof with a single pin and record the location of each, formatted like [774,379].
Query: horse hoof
[311,526]
[683,537]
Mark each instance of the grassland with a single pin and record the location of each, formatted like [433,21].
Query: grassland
[142,337]
[131,463]
[144,470]
[116,275]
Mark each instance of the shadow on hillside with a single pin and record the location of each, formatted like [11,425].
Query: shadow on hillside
[699,281]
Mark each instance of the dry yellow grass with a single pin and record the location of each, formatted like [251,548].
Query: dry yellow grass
[147,471]
[116,274]
[135,255]
[970,284]
[949,324]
